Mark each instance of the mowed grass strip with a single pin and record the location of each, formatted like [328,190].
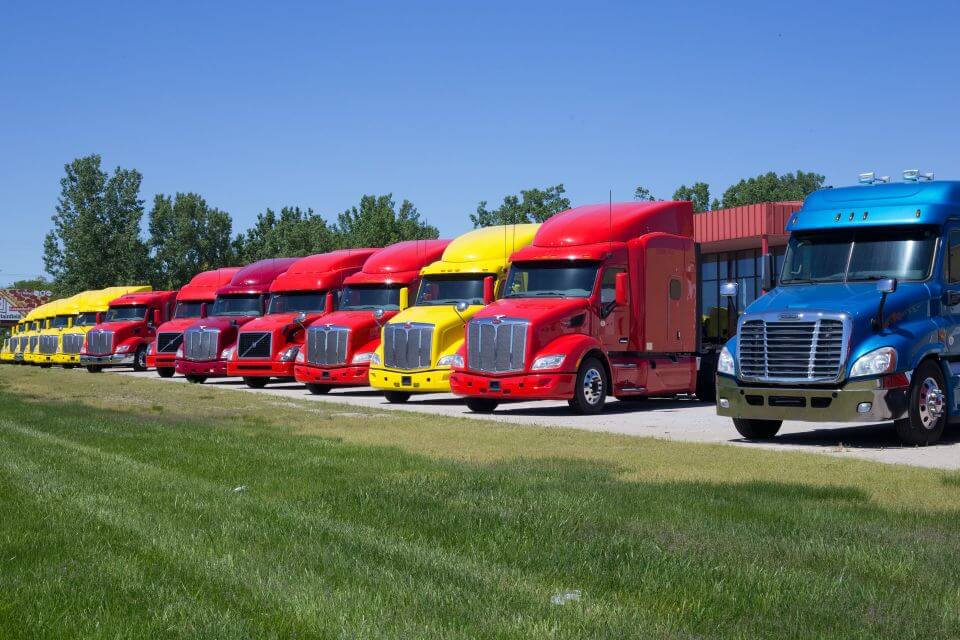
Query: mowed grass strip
[133,508]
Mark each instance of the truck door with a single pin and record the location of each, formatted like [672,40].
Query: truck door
[950,320]
[614,319]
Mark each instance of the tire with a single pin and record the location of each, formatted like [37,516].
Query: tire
[140,359]
[165,372]
[319,389]
[94,368]
[757,429]
[590,391]
[46,365]
[396,397]
[482,405]
[926,407]
[69,366]
[707,380]
[255,383]
[193,379]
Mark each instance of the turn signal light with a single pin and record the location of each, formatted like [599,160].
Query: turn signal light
[894,381]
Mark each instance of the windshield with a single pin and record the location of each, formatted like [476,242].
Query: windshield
[384,297]
[85,319]
[237,306]
[59,322]
[309,302]
[557,280]
[441,290]
[187,309]
[126,314]
[869,254]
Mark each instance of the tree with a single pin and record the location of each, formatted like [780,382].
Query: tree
[533,205]
[769,187]
[377,222]
[186,236]
[698,194]
[32,284]
[294,233]
[644,195]
[95,241]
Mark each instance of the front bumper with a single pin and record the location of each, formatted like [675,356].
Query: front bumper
[843,404]
[429,381]
[161,361]
[260,369]
[109,360]
[208,368]
[345,376]
[526,386]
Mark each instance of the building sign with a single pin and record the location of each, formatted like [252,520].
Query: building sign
[7,313]
[17,303]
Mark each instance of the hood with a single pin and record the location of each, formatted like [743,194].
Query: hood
[118,327]
[536,310]
[354,320]
[276,321]
[449,328]
[859,300]
[177,326]
[223,323]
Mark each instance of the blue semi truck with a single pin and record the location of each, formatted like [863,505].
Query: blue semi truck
[864,322]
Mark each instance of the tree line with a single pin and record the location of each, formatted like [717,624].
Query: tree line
[97,238]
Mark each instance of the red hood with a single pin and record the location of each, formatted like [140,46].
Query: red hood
[118,327]
[177,326]
[548,317]
[228,331]
[283,326]
[364,330]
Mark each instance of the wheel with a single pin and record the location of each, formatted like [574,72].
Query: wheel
[193,379]
[396,397]
[481,405]
[926,408]
[94,368]
[590,391]
[46,365]
[255,383]
[69,366]
[319,389]
[757,429]
[166,372]
[140,359]
[707,380]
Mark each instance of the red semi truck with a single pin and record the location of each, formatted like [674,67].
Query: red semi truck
[603,302]
[208,342]
[122,335]
[193,300]
[309,289]
[339,346]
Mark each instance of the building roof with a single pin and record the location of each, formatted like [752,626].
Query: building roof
[15,304]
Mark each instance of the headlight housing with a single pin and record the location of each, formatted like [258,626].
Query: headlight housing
[179,355]
[725,363]
[362,358]
[375,360]
[150,349]
[289,354]
[227,354]
[452,360]
[877,362]
[123,348]
[548,362]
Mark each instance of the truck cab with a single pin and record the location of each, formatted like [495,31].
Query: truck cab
[37,322]
[308,290]
[49,350]
[209,343]
[124,332]
[193,302]
[603,302]
[9,344]
[418,345]
[864,323]
[338,347]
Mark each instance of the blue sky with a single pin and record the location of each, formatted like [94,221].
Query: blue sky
[259,105]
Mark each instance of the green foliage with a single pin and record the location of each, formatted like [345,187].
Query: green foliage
[698,194]
[769,187]
[186,237]
[294,233]
[95,241]
[644,195]
[377,222]
[32,284]
[533,205]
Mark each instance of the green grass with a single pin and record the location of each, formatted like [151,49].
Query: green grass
[120,518]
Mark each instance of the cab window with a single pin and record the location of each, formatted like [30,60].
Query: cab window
[953,257]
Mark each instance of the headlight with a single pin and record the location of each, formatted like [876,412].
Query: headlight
[375,360]
[362,358]
[290,354]
[123,348]
[725,364]
[179,355]
[452,360]
[547,362]
[875,363]
[150,349]
[301,357]
[227,354]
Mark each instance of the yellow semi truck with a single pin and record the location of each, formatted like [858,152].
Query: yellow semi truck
[6,351]
[38,319]
[417,345]
[18,341]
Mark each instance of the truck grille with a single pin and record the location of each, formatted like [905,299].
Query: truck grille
[407,345]
[255,345]
[33,343]
[327,345]
[792,350]
[100,342]
[20,344]
[169,342]
[48,345]
[72,342]
[496,345]
[201,344]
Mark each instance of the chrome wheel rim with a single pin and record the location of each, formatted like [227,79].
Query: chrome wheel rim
[592,386]
[931,402]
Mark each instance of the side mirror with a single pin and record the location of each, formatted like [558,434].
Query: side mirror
[203,309]
[487,290]
[886,286]
[329,303]
[462,306]
[729,289]
[766,272]
[99,317]
[378,316]
[621,294]
[157,318]
[404,298]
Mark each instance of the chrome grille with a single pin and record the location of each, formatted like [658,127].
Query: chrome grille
[496,345]
[327,345]
[20,344]
[808,349]
[100,342]
[169,342]
[255,345]
[48,345]
[201,344]
[33,343]
[407,345]
[72,342]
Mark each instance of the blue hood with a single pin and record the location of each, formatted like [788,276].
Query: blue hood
[859,299]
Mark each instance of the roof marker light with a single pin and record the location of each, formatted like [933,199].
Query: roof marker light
[871,177]
[914,175]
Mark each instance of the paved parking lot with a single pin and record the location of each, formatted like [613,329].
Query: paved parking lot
[686,420]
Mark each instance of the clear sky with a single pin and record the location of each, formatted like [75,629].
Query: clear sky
[259,105]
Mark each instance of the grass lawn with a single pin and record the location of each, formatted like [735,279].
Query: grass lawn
[135,508]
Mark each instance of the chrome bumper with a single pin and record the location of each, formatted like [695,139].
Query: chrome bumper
[111,360]
[848,403]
